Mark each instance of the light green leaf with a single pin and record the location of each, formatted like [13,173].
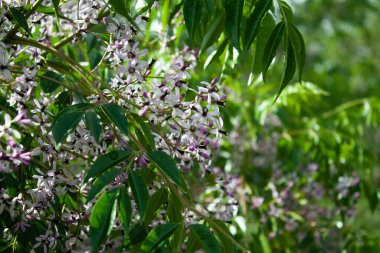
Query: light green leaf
[140,192]
[167,165]
[157,236]
[208,241]
[252,26]
[120,6]
[116,115]
[106,161]
[271,47]
[93,123]
[101,183]
[65,125]
[234,12]
[102,218]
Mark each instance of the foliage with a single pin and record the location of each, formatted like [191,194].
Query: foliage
[111,139]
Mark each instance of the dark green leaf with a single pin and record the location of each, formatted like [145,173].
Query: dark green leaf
[125,208]
[56,7]
[208,241]
[50,81]
[290,69]
[137,233]
[106,161]
[216,54]
[271,47]
[93,123]
[40,9]
[20,18]
[101,183]
[116,115]
[174,210]
[146,130]
[227,245]
[65,125]
[267,26]
[155,201]
[213,33]
[167,165]
[252,26]
[102,218]
[81,107]
[299,46]
[157,236]
[234,12]
[140,192]
[193,11]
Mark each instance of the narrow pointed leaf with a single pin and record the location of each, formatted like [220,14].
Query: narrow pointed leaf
[20,18]
[208,241]
[234,12]
[116,115]
[125,209]
[155,201]
[167,165]
[290,69]
[65,125]
[287,10]
[267,26]
[80,107]
[227,245]
[193,11]
[140,192]
[145,128]
[102,218]
[93,123]
[252,26]
[213,33]
[101,183]
[271,47]
[50,81]
[107,161]
[56,7]
[157,236]
[299,47]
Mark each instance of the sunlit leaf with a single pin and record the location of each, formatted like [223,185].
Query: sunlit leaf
[157,236]
[208,241]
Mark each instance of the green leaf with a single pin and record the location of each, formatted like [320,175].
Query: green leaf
[290,69]
[81,107]
[116,115]
[208,241]
[167,165]
[234,12]
[174,210]
[216,54]
[65,125]
[56,7]
[120,6]
[271,47]
[40,9]
[20,18]
[267,26]
[125,208]
[50,81]
[146,130]
[252,26]
[102,218]
[193,11]
[106,161]
[227,245]
[93,123]
[140,192]
[287,10]
[213,33]
[101,183]
[155,201]
[299,46]
[157,236]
